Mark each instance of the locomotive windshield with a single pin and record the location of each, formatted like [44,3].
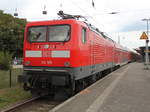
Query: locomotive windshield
[56,33]
[37,34]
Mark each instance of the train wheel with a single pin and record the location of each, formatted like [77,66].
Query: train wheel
[94,78]
[112,69]
[82,84]
[99,76]
[26,87]
[72,87]
[35,92]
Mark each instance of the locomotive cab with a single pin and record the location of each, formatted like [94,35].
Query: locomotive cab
[50,54]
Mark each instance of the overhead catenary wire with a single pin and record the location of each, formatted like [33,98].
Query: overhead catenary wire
[92,15]
[61,5]
[74,3]
[93,4]
[99,14]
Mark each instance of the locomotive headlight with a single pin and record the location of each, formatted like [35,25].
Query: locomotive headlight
[67,64]
[27,63]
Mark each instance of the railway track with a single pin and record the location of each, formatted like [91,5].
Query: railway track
[35,104]
[19,105]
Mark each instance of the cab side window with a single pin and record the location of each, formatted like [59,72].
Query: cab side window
[83,35]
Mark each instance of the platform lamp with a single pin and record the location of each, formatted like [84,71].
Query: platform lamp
[146,43]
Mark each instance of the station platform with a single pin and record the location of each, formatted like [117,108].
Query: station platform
[124,90]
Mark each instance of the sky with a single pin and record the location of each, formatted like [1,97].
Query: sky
[127,24]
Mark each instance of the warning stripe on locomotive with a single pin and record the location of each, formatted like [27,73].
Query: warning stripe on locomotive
[53,54]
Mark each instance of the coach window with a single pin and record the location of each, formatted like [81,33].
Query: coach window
[83,35]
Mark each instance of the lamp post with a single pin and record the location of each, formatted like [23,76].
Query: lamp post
[146,43]
[120,39]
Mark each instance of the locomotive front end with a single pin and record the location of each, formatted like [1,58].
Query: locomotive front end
[47,61]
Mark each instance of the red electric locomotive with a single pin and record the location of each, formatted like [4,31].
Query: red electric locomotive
[66,53]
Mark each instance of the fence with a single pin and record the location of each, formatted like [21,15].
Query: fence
[9,78]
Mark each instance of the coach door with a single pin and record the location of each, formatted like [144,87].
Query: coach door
[92,54]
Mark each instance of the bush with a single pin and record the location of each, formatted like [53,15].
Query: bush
[5,60]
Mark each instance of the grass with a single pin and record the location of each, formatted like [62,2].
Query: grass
[4,78]
[14,94]
[10,96]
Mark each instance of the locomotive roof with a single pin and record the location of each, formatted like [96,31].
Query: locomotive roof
[47,22]
[64,21]
[70,21]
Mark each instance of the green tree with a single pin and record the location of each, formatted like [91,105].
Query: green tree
[11,34]
[5,60]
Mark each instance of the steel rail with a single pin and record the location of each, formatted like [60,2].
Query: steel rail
[21,104]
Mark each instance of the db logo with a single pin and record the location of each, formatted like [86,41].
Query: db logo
[46,62]
[46,46]
[46,54]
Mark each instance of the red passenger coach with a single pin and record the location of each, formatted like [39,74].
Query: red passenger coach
[67,53]
[122,55]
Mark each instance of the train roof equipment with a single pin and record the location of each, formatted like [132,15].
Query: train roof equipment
[77,17]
